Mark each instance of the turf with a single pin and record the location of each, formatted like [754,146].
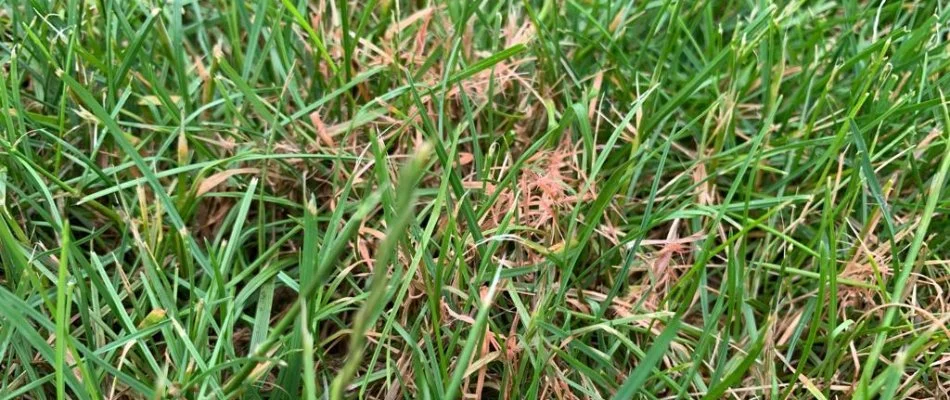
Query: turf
[474,199]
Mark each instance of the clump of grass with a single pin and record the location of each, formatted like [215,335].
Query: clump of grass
[448,200]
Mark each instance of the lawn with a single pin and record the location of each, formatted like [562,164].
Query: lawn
[536,199]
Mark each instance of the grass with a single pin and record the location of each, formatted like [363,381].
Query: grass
[487,199]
